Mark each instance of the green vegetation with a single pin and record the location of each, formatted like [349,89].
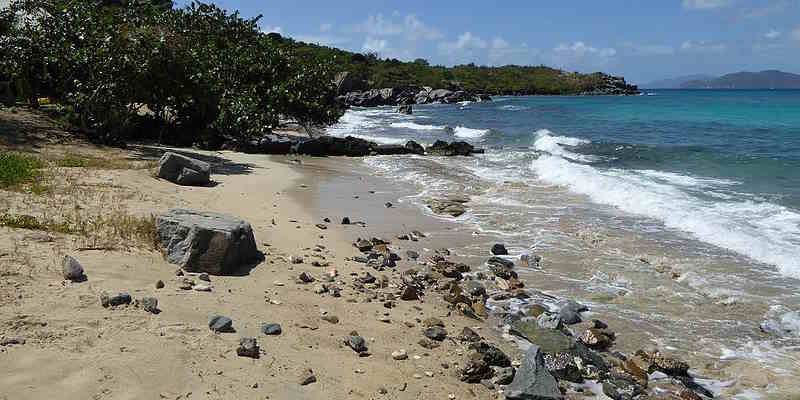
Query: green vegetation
[140,69]
[375,73]
[121,227]
[17,169]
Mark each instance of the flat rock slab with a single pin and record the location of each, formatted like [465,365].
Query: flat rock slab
[184,170]
[208,242]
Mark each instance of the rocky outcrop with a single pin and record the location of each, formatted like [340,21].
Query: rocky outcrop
[184,170]
[406,109]
[334,146]
[441,148]
[269,144]
[407,96]
[532,380]
[612,86]
[205,241]
[346,82]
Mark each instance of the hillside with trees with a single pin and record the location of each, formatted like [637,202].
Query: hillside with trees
[371,72]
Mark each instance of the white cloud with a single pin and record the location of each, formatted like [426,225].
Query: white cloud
[502,52]
[325,27]
[466,41]
[267,29]
[772,34]
[415,29]
[705,4]
[580,55]
[702,46]
[375,45]
[581,49]
[411,27]
[796,33]
[768,9]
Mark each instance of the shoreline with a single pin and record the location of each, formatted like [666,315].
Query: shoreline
[111,352]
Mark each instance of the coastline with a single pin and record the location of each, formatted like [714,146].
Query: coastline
[74,348]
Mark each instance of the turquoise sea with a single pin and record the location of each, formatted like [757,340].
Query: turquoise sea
[675,215]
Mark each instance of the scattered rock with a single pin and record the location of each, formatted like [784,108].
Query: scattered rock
[305,278]
[491,354]
[149,304]
[412,255]
[621,387]
[204,277]
[475,369]
[271,329]
[432,321]
[307,377]
[452,207]
[399,355]
[346,221]
[597,339]
[356,342]
[499,250]
[409,293]
[435,333]
[388,204]
[159,284]
[549,321]
[428,344]
[248,347]
[469,335]
[117,300]
[219,323]
[474,288]
[322,226]
[363,245]
[330,318]
[184,170]
[72,270]
[12,340]
[532,380]
[201,288]
[663,363]
[570,312]
[206,241]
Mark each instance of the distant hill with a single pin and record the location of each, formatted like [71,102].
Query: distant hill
[676,83]
[770,79]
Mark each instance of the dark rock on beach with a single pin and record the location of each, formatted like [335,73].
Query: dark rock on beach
[72,270]
[271,329]
[107,300]
[442,148]
[184,170]
[532,380]
[219,323]
[208,242]
[248,347]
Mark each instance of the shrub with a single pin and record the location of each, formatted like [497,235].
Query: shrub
[17,169]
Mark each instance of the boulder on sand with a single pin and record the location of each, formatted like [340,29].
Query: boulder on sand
[184,170]
[532,380]
[206,241]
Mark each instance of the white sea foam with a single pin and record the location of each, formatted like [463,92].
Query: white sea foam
[684,180]
[469,133]
[415,126]
[766,232]
[549,143]
[380,139]
[510,107]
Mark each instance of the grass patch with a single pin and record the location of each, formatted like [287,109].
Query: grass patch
[33,223]
[93,162]
[102,232]
[17,169]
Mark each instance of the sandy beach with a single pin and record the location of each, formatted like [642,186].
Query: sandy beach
[76,349]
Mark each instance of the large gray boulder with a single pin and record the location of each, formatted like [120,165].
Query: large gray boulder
[206,241]
[184,170]
[532,380]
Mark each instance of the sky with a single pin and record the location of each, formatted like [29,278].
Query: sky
[641,40]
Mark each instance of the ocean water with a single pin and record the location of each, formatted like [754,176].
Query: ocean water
[678,210]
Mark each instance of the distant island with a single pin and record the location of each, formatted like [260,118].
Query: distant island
[769,79]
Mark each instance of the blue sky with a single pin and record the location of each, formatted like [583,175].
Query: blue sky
[641,40]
